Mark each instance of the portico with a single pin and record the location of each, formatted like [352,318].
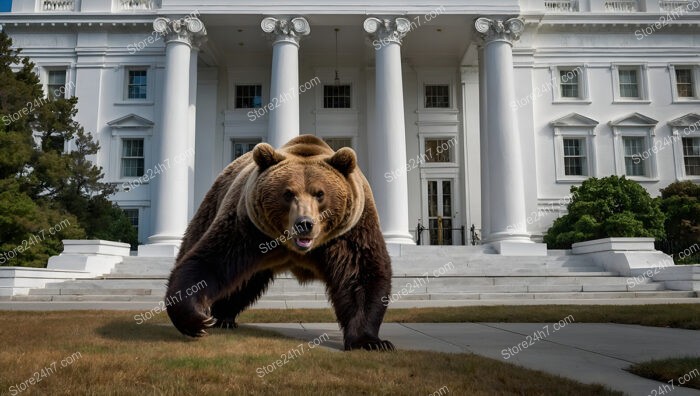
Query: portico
[381,143]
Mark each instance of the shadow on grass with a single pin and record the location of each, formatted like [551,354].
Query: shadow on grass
[128,330]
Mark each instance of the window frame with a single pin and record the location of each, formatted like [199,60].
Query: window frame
[421,163]
[149,94]
[583,154]
[574,126]
[583,89]
[122,141]
[236,96]
[685,156]
[642,83]
[350,97]
[70,75]
[128,127]
[695,75]
[686,126]
[636,125]
[351,138]
[450,100]
[242,140]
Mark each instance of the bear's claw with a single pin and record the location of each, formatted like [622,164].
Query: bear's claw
[381,345]
[226,323]
[376,345]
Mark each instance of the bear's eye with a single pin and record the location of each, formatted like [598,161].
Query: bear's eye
[288,196]
[319,195]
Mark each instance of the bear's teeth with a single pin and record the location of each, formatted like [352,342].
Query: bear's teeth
[303,242]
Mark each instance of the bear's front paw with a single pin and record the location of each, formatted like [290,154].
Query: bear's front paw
[371,345]
[226,323]
[381,345]
[191,318]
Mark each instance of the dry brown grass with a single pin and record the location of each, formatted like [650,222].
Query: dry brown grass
[120,357]
[683,316]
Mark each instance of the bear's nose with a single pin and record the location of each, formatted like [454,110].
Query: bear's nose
[304,225]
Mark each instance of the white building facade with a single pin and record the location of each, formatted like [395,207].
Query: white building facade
[461,113]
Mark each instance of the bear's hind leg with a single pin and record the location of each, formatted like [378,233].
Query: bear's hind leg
[227,309]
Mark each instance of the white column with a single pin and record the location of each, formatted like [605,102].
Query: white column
[170,193]
[483,143]
[283,124]
[504,176]
[192,128]
[387,142]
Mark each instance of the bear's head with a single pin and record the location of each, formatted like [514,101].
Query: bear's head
[304,198]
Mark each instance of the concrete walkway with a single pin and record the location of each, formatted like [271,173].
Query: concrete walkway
[586,352]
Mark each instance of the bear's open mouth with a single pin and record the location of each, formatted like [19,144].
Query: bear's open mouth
[303,243]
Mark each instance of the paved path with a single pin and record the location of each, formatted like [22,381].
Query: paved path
[586,352]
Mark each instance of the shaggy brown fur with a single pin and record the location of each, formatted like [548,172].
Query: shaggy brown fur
[303,208]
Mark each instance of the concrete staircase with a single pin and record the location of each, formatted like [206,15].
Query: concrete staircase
[424,276]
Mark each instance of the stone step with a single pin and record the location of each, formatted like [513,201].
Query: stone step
[320,300]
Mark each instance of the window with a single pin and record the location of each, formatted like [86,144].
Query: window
[691,156]
[137,84]
[569,83]
[337,143]
[336,97]
[133,216]
[634,147]
[575,157]
[132,158]
[629,83]
[684,82]
[439,150]
[242,146]
[56,87]
[437,96]
[5,5]
[248,96]
[574,148]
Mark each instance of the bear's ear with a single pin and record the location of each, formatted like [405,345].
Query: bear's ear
[265,156]
[344,160]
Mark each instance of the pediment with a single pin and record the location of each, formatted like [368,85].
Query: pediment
[131,121]
[634,119]
[686,120]
[574,120]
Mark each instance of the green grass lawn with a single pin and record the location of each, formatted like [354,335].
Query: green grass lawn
[108,353]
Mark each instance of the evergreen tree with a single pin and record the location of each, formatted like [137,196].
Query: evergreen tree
[47,193]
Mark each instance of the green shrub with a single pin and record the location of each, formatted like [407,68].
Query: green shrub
[608,207]
[680,201]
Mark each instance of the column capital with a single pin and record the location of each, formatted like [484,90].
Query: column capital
[189,30]
[386,30]
[508,30]
[286,29]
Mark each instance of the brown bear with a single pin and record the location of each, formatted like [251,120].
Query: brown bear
[303,208]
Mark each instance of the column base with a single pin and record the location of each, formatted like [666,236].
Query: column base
[398,238]
[158,250]
[161,245]
[519,248]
